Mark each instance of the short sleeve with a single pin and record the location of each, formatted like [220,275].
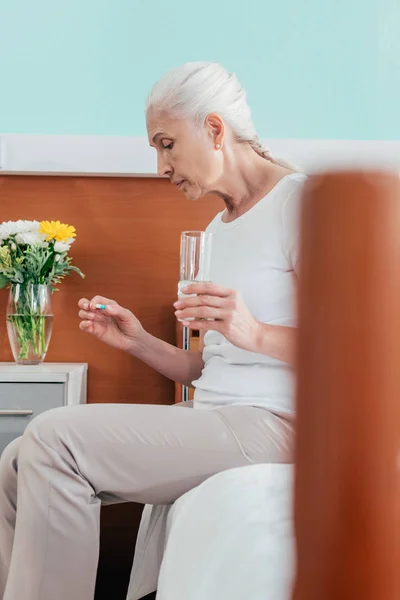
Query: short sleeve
[291,213]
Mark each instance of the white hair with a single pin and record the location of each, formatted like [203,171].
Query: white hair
[197,89]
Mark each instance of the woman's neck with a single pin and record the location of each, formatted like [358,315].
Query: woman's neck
[247,179]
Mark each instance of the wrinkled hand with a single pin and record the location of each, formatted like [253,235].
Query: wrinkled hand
[116,326]
[215,308]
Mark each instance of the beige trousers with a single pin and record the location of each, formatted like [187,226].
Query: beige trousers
[71,460]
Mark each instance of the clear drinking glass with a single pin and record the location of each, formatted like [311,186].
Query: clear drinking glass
[195,259]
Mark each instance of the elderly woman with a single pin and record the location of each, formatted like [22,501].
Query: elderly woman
[71,460]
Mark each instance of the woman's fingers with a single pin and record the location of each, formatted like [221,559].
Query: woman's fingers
[100,309]
[84,303]
[97,326]
[205,300]
[90,321]
[204,306]
[201,312]
[100,303]
[204,325]
[210,289]
[91,315]
[100,300]
[211,302]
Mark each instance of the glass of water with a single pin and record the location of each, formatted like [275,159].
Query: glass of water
[195,259]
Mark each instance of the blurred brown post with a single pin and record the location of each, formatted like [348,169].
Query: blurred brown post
[347,495]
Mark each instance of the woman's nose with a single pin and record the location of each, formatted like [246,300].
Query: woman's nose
[163,168]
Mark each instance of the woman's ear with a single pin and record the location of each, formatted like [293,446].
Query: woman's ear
[216,129]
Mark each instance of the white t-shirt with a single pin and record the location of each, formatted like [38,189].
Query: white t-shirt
[256,254]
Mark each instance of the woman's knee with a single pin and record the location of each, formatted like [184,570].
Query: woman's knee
[47,430]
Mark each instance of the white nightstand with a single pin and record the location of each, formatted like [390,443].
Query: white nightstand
[26,391]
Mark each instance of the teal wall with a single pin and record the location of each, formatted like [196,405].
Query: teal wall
[312,68]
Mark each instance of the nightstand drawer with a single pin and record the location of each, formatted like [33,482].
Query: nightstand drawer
[11,428]
[31,395]
[21,402]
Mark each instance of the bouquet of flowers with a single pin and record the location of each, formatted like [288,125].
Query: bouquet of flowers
[33,260]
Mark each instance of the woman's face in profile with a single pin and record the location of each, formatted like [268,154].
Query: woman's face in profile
[186,153]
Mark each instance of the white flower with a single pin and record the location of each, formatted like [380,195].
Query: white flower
[13,246]
[12,227]
[61,247]
[57,258]
[31,238]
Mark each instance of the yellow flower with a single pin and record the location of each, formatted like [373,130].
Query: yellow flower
[54,230]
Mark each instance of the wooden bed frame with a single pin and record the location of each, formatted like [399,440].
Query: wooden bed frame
[347,494]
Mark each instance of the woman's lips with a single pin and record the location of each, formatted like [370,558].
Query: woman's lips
[179,183]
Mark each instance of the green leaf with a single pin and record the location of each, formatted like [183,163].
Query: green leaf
[3,281]
[47,265]
[77,271]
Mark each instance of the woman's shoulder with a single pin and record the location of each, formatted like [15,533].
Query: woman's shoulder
[274,203]
[290,198]
[213,225]
[290,185]
[294,183]
[285,197]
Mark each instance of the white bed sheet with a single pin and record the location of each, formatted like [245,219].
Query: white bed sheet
[232,538]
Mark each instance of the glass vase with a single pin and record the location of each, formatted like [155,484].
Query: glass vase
[29,317]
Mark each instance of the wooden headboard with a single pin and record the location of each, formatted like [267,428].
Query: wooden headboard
[128,234]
